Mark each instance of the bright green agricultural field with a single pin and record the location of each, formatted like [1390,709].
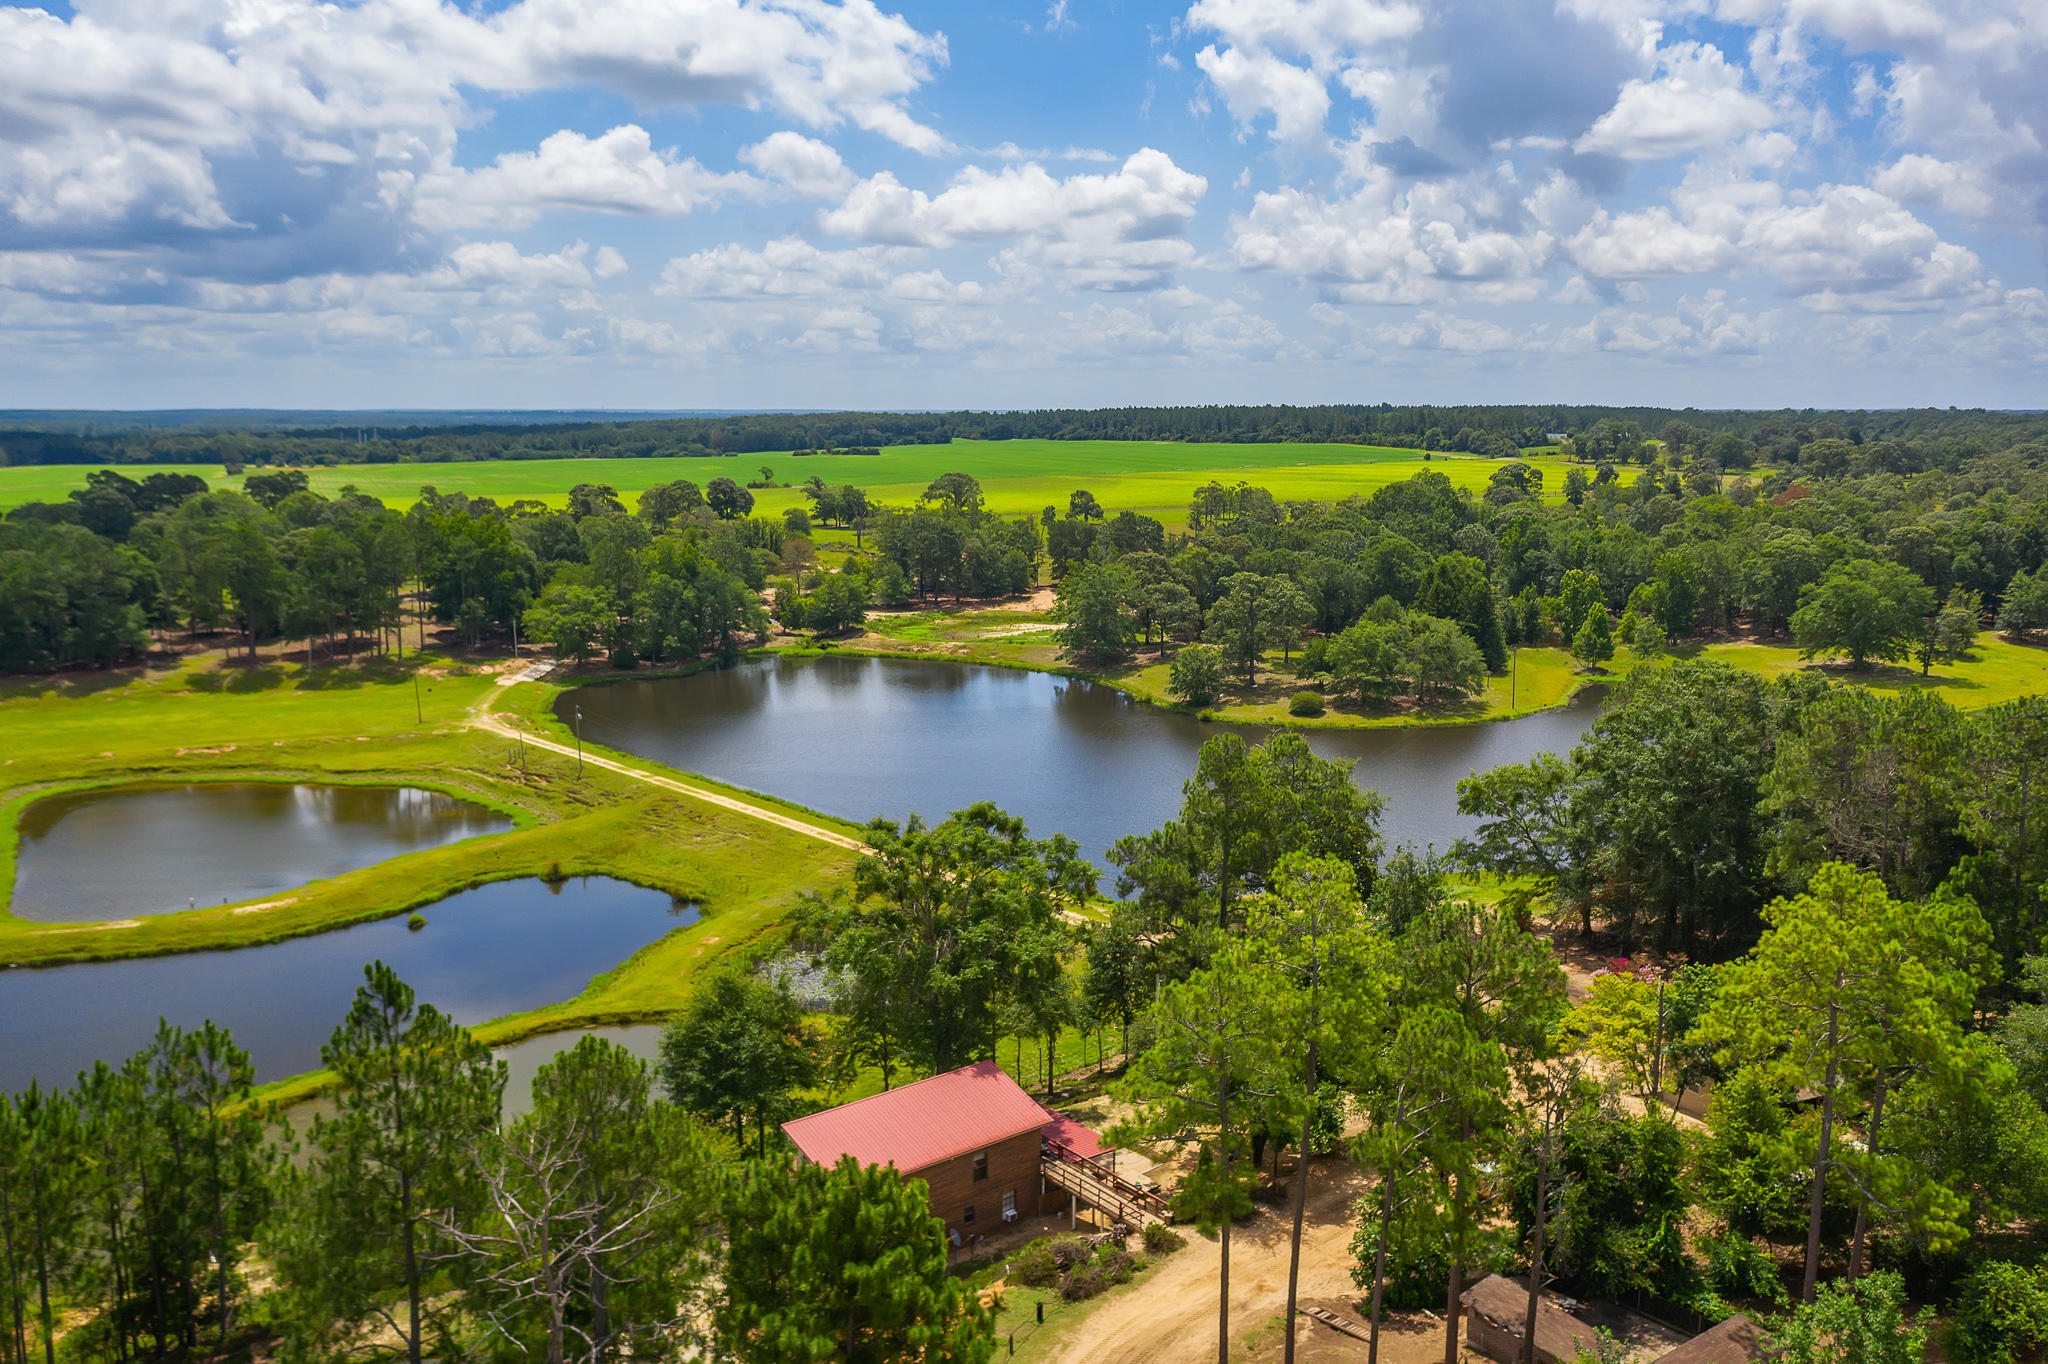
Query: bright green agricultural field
[1018,476]
[53,482]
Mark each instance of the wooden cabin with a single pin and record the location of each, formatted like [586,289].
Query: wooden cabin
[987,1152]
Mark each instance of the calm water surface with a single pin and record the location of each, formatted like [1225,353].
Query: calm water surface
[858,737]
[487,952]
[150,850]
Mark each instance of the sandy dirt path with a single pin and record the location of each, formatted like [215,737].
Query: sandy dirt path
[1171,1316]
[484,718]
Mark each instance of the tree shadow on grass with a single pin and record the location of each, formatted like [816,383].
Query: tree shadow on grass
[369,672]
[1894,677]
[66,684]
[237,679]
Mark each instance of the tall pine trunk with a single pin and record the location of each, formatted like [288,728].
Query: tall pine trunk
[1456,1287]
[1308,1113]
[1863,1204]
[1818,1198]
[20,1342]
[1379,1266]
[1223,1297]
[1536,1254]
[412,1270]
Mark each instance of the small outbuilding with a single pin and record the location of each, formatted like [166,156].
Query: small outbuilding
[1737,1340]
[1497,1310]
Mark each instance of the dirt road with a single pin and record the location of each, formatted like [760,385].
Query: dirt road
[1171,1316]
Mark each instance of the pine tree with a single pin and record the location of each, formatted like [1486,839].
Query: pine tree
[845,1263]
[415,1093]
[1326,975]
[1848,992]
[1210,1077]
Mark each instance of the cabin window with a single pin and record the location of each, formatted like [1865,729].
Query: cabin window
[980,1166]
[967,1217]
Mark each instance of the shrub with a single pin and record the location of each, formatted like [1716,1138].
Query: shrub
[2001,1313]
[1305,703]
[416,922]
[1067,1251]
[1161,1239]
[1118,1266]
[1084,1283]
[1736,1268]
[1035,1267]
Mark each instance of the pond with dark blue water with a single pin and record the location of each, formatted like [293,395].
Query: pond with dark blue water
[859,737]
[484,953]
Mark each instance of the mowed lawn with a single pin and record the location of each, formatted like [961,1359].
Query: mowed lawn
[1018,477]
[1996,670]
[282,723]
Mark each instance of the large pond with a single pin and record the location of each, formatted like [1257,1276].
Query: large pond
[111,854]
[494,950]
[858,737]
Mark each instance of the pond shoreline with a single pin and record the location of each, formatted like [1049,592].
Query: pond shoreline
[859,734]
[1329,720]
[520,946]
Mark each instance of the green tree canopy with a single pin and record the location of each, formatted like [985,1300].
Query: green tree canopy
[1865,608]
[842,1263]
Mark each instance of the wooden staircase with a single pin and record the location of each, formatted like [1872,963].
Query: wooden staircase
[1100,1187]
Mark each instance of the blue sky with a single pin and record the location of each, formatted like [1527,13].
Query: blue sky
[815,203]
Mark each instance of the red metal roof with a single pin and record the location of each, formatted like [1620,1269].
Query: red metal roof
[1082,1141]
[924,1123]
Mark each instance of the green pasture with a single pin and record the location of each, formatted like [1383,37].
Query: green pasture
[1996,669]
[202,723]
[1019,476]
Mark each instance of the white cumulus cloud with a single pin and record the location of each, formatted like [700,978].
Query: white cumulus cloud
[1696,100]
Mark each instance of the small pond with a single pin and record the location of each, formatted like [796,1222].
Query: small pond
[112,854]
[857,737]
[494,950]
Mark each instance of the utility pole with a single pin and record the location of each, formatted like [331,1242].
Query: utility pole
[579,741]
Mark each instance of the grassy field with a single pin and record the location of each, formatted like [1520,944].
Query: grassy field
[1017,476]
[1996,670]
[1013,635]
[179,725]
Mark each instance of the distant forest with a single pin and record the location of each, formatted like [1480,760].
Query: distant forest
[1943,437]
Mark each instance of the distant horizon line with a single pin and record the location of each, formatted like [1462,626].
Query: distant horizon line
[21,413]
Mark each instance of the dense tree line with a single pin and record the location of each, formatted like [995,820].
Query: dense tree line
[1705,792]
[87,581]
[1893,550]
[1864,563]
[1940,438]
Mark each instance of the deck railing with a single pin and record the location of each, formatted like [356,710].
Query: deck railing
[1100,1186]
